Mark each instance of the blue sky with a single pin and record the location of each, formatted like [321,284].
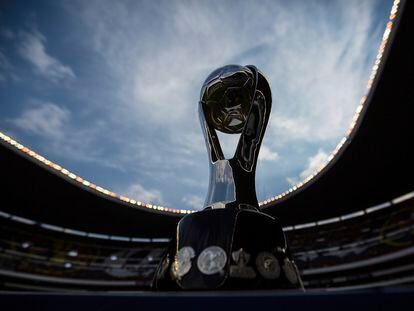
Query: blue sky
[109,89]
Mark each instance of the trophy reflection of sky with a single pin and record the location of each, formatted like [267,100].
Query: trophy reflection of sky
[110,90]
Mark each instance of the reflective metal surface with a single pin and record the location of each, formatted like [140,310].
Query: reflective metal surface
[241,269]
[268,265]
[234,99]
[235,245]
[212,260]
[182,262]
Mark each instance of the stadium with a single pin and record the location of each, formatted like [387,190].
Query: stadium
[350,225]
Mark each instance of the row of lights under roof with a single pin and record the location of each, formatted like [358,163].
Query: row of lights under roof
[363,212]
[133,202]
[359,109]
[359,213]
[82,233]
[80,180]
[74,253]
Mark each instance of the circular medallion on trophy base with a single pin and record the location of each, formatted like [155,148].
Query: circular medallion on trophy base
[268,265]
[290,271]
[182,262]
[212,260]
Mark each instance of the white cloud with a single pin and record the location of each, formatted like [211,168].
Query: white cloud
[314,163]
[162,63]
[53,125]
[195,183]
[320,75]
[45,119]
[312,59]
[266,154]
[293,128]
[195,202]
[292,180]
[137,191]
[228,143]
[33,49]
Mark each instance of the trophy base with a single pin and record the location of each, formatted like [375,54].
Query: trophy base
[230,248]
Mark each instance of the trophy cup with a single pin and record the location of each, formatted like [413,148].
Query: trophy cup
[230,244]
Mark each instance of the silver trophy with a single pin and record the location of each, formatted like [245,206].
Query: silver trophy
[230,244]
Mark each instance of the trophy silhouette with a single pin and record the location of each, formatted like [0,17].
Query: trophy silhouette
[230,244]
